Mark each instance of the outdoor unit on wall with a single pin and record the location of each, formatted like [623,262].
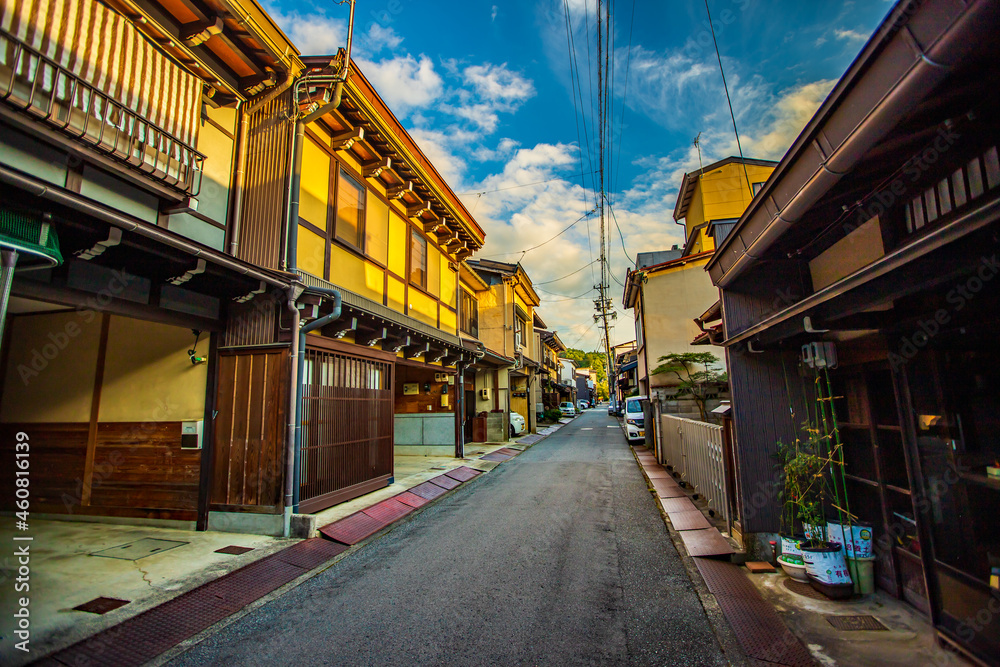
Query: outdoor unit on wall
[820,355]
[484,393]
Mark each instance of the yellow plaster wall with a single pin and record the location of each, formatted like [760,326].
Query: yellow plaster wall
[377,229]
[399,238]
[148,375]
[491,320]
[423,307]
[433,270]
[353,273]
[396,295]
[449,282]
[315,188]
[449,320]
[311,252]
[50,367]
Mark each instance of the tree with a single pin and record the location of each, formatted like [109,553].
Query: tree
[693,382]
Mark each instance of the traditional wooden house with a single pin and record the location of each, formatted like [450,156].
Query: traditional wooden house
[259,302]
[874,244]
[507,320]
[132,161]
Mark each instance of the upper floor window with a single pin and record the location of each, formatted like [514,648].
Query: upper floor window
[757,187]
[519,326]
[418,259]
[470,314]
[350,211]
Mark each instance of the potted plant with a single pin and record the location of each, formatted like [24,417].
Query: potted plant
[825,562]
[792,486]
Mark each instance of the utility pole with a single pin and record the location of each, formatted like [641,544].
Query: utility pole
[603,303]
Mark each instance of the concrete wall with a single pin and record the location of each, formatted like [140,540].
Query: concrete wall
[425,435]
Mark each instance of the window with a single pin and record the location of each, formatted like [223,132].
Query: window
[470,314]
[418,259]
[519,327]
[350,211]
[757,187]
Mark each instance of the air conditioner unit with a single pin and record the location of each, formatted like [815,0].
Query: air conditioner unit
[484,394]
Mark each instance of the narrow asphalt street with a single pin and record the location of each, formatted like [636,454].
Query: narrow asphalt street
[558,557]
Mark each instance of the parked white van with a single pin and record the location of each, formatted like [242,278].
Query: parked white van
[635,426]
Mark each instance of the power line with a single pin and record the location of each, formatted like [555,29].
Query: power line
[524,252]
[726,87]
[555,280]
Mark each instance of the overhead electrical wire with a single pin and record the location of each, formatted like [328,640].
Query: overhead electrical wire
[726,87]
[555,280]
[535,247]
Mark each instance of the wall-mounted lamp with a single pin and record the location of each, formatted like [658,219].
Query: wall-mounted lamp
[193,352]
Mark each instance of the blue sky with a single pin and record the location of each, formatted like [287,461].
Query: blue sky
[486,90]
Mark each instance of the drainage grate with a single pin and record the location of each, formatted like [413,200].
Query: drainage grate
[427,491]
[311,553]
[411,499]
[495,456]
[463,473]
[388,510]
[101,605]
[804,589]
[445,482]
[856,623]
[147,546]
[233,550]
[353,529]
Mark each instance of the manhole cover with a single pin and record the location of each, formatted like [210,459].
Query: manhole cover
[147,546]
[233,550]
[101,605]
[864,622]
[802,588]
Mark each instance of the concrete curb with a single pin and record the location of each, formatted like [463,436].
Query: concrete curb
[728,643]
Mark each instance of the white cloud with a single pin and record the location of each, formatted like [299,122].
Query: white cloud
[404,82]
[789,115]
[381,37]
[493,13]
[498,85]
[313,34]
[850,36]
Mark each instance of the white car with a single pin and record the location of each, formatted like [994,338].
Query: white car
[583,405]
[567,409]
[517,426]
[635,418]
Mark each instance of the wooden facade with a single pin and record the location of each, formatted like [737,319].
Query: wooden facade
[884,246]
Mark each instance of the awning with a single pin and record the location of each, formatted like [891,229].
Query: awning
[632,365]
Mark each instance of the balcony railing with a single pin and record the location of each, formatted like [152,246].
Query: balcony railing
[47,92]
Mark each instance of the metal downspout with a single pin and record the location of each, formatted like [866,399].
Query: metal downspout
[290,259]
[8,262]
[300,361]
[460,411]
[293,295]
[239,178]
